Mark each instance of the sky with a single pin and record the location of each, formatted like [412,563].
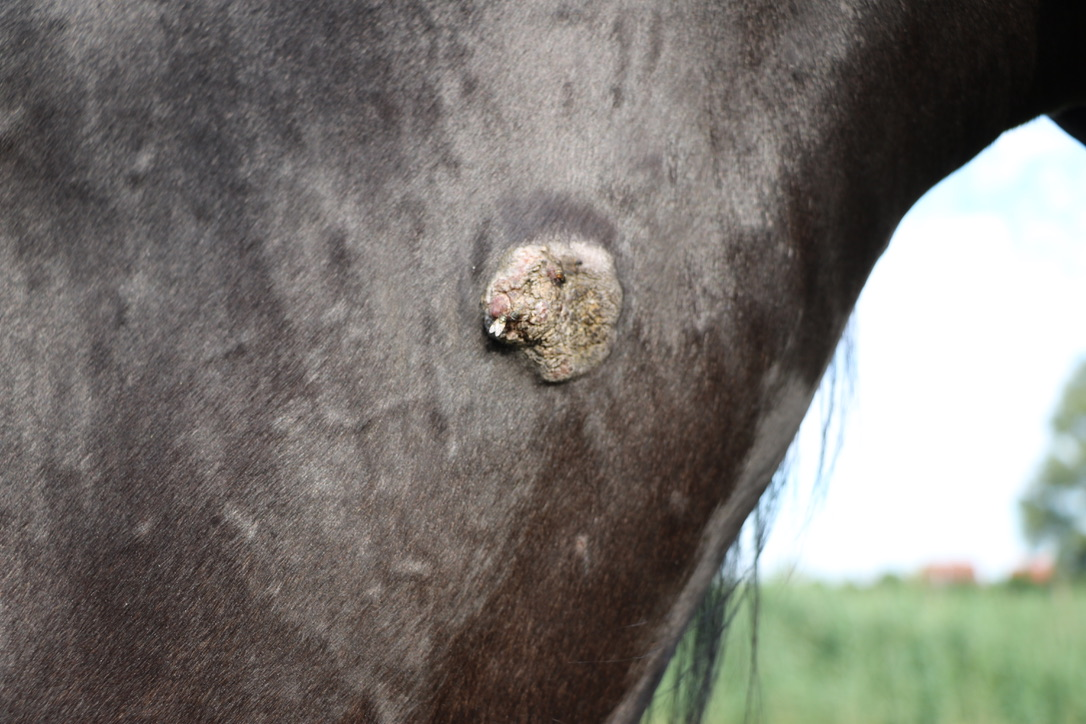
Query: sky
[969,327]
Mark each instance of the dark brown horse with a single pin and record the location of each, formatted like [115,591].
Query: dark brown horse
[288,433]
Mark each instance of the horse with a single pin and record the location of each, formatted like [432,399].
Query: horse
[419,361]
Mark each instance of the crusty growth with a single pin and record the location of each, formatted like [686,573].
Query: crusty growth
[558,300]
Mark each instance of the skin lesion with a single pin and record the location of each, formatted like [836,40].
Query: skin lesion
[557,300]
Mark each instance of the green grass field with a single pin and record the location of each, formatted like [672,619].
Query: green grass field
[904,654]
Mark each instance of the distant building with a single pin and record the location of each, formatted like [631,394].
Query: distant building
[948,574]
[1038,572]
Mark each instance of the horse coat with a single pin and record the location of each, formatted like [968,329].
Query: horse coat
[262,460]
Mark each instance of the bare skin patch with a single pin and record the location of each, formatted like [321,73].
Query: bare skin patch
[557,300]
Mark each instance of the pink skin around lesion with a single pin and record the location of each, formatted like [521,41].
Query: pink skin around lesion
[499,305]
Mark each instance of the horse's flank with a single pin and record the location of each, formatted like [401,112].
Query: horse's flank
[261,461]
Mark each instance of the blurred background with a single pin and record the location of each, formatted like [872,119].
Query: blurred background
[964,338]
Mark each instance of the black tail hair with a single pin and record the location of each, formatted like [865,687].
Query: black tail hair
[695,667]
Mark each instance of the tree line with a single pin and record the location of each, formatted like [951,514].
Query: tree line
[1054,505]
